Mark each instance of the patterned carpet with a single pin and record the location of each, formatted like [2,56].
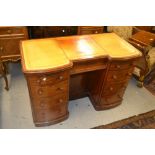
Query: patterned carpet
[142,121]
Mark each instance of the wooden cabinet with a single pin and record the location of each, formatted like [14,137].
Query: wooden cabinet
[55,31]
[51,31]
[10,38]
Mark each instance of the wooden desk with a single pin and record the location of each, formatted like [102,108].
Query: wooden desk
[63,68]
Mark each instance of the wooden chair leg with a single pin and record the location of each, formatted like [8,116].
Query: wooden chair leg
[5,76]
[140,82]
[6,82]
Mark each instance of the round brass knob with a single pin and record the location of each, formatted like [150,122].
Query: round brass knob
[43,114]
[38,81]
[9,31]
[60,101]
[118,66]
[60,88]
[114,77]
[42,104]
[40,91]
[60,77]
[1,48]
[44,79]
[96,31]
[111,88]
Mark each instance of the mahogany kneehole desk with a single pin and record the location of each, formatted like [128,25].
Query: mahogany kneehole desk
[64,68]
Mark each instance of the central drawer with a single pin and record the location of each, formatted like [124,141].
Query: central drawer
[90,65]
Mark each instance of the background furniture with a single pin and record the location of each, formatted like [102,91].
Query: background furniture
[123,31]
[139,36]
[90,30]
[55,31]
[79,66]
[10,37]
[144,41]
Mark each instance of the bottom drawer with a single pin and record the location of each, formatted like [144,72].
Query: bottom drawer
[113,98]
[50,108]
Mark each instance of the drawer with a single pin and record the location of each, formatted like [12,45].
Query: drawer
[11,30]
[50,102]
[47,79]
[85,66]
[121,65]
[90,27]
[50,90]
[10,46]
[119,76]
[113,88]
[112,98]
[50,109]
[90,30]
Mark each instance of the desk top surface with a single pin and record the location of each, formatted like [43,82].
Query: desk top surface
[54,53]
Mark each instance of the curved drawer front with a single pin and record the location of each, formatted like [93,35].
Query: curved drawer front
[119,76]
[113,98]
[49,103]
[49,109]
[48,79]
[50,90]
[112,88]
[121,65]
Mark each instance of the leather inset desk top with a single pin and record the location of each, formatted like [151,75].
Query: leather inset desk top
[57,53]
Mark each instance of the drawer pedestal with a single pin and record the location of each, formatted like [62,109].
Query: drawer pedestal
[49,97]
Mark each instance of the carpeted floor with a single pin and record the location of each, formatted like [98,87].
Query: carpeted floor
[142,121]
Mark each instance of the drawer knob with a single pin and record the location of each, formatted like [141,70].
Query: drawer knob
[44,79]
[63,31]
[1,48]
[43,114]
[114,77]
[60,101]
[124,88]
[60,88]
[60,77]
[40,91]
[118,66]
[129,74]
[119,96]
[96,32]
[9,31]
[111,88]
[42,104]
